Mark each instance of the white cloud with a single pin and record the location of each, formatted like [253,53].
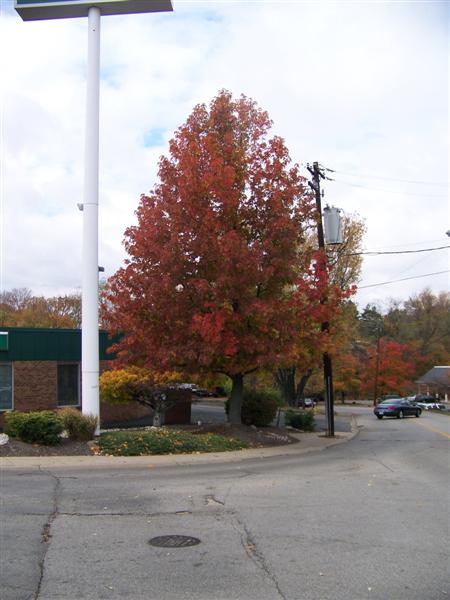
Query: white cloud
[360,87]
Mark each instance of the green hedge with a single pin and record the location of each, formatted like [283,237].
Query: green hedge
[259,407]
[43,427]
[300,420]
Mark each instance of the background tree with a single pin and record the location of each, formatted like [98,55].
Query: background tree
[15,299]
[19,308]
[371,323]
[344,269]
[218,276]
[391,365]
[424,321]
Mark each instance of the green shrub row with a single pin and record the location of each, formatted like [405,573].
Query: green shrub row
[45,427]
[300,420]
[163,441]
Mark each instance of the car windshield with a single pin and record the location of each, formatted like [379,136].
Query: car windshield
[392,401]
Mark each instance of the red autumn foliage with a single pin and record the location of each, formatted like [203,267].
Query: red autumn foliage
[219,277]
[396,368]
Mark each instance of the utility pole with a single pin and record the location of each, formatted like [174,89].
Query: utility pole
[317,175]
[377,369]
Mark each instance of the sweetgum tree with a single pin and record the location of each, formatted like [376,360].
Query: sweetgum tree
[218,276]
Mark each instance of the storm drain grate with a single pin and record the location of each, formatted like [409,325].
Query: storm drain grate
[174,541]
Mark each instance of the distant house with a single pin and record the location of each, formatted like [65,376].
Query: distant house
[40,369]
[436,381]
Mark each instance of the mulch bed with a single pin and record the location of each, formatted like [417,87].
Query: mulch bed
[255,437]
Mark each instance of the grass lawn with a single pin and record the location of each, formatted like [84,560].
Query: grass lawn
[163,441]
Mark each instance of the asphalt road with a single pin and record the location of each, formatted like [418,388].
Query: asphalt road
[206,412]
[368,519]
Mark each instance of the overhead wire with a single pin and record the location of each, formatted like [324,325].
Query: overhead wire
[366,176]
[410,244]
[372,253]
[374,189]
[362,287]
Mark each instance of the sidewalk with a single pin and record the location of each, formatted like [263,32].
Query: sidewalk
[308,442]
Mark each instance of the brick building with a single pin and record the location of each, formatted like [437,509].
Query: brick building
[436,381]
[40,369]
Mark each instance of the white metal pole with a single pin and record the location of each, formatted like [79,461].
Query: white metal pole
[89,316]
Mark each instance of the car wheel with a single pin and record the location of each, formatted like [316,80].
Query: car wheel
[418,412]
[400,414]
[379,416]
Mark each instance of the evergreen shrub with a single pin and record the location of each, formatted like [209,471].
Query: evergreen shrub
[40,427]
[259,407]
[300,420]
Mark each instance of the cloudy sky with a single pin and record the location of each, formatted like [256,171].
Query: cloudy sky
[360,87]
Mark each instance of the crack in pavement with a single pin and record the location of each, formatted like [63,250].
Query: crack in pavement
[380,462]
[254,553]
[46,534]
[121,514]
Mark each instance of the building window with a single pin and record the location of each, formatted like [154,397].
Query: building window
[6,395]
[69,384]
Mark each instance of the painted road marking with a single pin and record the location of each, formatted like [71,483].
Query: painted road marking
[443,433]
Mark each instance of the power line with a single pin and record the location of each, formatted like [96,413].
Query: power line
[362,287]
[410,244]
[366,187]
[366,176]
[370,253]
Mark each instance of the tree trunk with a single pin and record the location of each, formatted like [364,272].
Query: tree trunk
[285,380]
[301,386]
[237,392]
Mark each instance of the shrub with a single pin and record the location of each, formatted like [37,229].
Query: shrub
[259,407]
[163,441]
[300,420]
[43,427]
[78,426]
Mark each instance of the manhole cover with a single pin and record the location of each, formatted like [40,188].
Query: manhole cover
[174,541]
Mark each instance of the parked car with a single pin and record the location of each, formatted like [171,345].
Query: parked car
[397,407]
[425,401]
[219,391]
[439,406]
[194,389]
[426,398]
[191,387]
[308,403]
[201,392]
[430,405]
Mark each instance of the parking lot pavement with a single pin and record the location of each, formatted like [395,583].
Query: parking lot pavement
[215,413]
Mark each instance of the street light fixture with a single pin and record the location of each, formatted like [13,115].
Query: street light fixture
[93,9]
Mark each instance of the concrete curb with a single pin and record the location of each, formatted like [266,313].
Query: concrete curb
[308,442]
